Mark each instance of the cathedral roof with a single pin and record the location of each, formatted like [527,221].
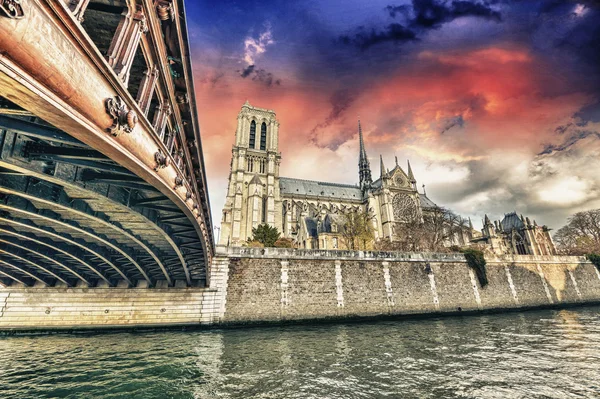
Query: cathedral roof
[426,202]
[511,221]
[298,187]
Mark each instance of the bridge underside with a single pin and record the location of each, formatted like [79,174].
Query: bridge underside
[69,216]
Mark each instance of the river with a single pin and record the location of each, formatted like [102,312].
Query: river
[536,354]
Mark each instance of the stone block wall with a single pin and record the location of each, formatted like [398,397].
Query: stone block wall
[279,285]
[253,285]
[66,308]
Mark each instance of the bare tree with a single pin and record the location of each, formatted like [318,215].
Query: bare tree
[581,234]
[357,231]
[437,231]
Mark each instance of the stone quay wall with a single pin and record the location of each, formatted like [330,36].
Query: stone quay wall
[283,285]
[256,285]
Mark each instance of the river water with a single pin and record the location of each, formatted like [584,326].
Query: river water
[537,354]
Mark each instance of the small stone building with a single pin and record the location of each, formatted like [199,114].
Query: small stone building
[516,235]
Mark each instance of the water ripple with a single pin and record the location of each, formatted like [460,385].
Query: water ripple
[545,354]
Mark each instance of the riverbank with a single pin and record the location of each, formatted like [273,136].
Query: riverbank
[251,286]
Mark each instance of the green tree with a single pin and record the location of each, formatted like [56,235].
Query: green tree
[265,234]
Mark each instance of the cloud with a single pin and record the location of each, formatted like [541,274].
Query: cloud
[403,10]
[340,101]
[394,32]
[422,16]
[253,47]
[259,75]
[432,14]
[213,78]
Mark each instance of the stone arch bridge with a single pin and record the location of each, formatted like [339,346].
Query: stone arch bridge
[102,179]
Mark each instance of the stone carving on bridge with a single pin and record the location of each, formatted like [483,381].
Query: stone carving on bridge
[124,119]
[12,9]
[178,182]
[165,11]
[162,161]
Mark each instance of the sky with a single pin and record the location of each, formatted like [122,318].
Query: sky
[495,103]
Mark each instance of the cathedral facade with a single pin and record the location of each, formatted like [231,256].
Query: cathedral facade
[307,211]
[310,212]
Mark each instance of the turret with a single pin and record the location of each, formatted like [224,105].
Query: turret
[382,168]
[411,177]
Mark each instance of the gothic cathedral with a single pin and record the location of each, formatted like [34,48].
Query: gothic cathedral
[311,212]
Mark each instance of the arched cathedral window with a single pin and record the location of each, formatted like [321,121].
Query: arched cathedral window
[252,134]
[263,136]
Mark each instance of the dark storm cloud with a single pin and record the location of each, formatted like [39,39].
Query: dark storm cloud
[452,122]
[422,16]
[247,71]
[259,75]
[403,10]
[571,140]
[432,14]
[340,101]
[364,39]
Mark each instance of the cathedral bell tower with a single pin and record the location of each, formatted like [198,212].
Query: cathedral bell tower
[253,195]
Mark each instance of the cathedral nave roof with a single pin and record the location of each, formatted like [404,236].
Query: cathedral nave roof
[297,187]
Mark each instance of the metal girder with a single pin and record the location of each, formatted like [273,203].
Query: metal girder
[162,208]
[94,218]
[33,264]
[144,201]
[33,149]
[151,218]
[36,130]
[102,166]
[170,218]
[56,248]
[95,237]
[13,277]
[38,253]
[71,241]
[24,271]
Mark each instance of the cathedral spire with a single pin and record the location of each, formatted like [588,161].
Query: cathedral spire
[381,166]
[364,168]
[411,177]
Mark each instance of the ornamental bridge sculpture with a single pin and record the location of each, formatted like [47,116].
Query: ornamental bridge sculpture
[102,179]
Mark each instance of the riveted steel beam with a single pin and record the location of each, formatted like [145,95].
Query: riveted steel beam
[24,271]
[36,265]
[59,198]
[33,150]
[34,249]
[52,245]
[13,277]
[94,237]
[36,130]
